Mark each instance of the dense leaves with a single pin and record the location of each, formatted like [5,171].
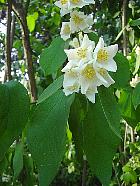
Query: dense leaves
[31,156]
[14,111]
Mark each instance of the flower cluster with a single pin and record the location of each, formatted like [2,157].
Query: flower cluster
[78,20]
[88,67]
[66,6]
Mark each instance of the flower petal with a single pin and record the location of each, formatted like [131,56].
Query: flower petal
[99,45]
[110,65]
[112,50]
[90,94]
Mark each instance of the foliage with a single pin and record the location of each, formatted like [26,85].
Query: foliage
[64,140]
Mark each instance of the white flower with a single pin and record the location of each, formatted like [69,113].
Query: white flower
[74,43]
[83,53]
[79,3]
[104,56]
[88,78]
[63,5]
[137,50]
[88,69]
[135,81]
[104,77]
[80,22]
[137,64]
[71,81]
[65,31]
[90,93]
[66,6]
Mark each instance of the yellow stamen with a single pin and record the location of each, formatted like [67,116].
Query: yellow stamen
[81,52]
[89,72]
[102,71]
[66,29]
[75,1]
[73,87]
[77,20]
[63,2]
[102,55]
[72,74]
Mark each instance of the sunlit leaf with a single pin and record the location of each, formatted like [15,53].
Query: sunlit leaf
[47,135]
[53,57]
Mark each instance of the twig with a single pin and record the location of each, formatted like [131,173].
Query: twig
[119,184]
[13,29]
[84,172]
[124,8]
[132,135]
[8,41]
[21,14]
[125,139]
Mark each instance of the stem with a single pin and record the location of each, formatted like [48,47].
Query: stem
[124,7]
[28,56]
[8,41]
[116,175]
[125,139]
[84,173]
[21,14]
[132,135]
[12,29]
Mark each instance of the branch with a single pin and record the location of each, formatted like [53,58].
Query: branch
[13,29]
[124,7]
[8,41]
[21,14]
[84,172]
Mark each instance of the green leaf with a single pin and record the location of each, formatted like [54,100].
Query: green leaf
[47,135]
[3,165]
[132,37]
[93,36]
[127,108]
[76,118]
[2,1]
[14,111]
[56,19]
[122,76]
[31,21]
[18,160]
[129,177]
[100,141]
[30,177]
[136,96]
[135,22]
[53,57]
[51,89]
